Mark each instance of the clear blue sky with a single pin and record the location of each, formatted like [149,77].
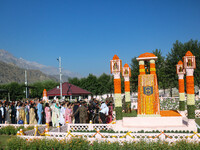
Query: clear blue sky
[87,34]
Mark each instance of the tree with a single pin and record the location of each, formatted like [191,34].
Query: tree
[134,74]
[177,52]
[106,84]
[38,87]
[160,69]
[74,81]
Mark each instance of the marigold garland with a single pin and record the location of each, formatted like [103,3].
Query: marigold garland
[117,85]
[190,84]
[127,86]
[181,86]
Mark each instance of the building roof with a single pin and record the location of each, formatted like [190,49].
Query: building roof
[68,89]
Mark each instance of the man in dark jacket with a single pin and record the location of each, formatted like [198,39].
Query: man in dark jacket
[76,106]
[13,113]
[82,110]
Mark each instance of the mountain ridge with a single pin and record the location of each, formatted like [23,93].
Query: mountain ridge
[8,58]
[12,73]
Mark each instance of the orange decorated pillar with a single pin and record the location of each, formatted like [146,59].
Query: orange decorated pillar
[45,95]
[126,73]
[116,68]
[180,71]
[152,67]
[141,67]
[190,65]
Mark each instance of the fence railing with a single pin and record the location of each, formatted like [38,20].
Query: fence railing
[121,137]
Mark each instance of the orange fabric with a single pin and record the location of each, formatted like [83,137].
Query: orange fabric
[117,85]
[190,84]
[169,113]
[127,86]
[141,67]
[181,86]
[142,102]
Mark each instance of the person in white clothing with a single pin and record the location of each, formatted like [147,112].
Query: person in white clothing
[62,115]
[17,111]
[1,113]
[104,111]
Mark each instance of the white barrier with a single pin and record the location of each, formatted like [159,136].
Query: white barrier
[121,137]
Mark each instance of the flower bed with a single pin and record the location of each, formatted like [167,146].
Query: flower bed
[83,144]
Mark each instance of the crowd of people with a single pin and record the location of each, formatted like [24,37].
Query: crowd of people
[56,113]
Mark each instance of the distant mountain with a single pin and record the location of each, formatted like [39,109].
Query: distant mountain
[6,57]
[12,73]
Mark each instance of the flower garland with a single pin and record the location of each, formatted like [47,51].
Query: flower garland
[190,84]
[117,85]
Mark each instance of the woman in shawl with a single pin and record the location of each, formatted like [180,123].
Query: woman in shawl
[47,113]
[68,113]
[32,117]
[57,114]
[22,113]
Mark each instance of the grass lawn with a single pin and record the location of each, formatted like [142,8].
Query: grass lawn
[4,140]
[197,120]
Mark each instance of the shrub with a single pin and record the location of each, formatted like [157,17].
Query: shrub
[17,143]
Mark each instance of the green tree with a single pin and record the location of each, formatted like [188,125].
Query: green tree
[75,81]
[105,84]
[177,52]
[38,87]
[160,69]
[134,74]
[16,91]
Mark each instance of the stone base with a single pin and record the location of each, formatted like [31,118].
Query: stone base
[135,124]
[152,121]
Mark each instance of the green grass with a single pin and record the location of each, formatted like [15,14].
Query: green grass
[197,120]
[3,140]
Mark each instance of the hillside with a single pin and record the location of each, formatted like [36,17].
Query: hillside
[12,73]
[8,58]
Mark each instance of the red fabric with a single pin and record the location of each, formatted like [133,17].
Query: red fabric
[68,89]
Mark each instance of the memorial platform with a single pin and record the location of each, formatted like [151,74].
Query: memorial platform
[168,120]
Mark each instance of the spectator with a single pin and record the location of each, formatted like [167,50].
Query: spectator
[104,111]
[1,113]
[32,115]
[47,113]
[39,112]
